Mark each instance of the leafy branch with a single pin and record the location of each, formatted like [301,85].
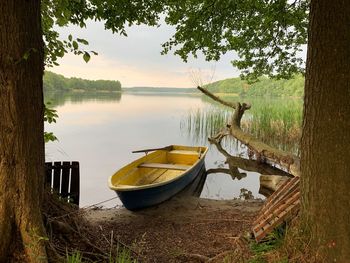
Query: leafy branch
[116,15]
[50,116]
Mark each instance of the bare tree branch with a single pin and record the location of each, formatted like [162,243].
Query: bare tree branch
[228,104]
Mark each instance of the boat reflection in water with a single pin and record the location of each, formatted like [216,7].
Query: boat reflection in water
[235,167]
[196,187]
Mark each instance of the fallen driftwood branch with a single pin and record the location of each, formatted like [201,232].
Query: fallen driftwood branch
[271,182]
[262,152]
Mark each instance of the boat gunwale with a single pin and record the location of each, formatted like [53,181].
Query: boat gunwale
[147,186]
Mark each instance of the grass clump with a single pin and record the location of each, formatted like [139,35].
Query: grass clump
[75,257]
[123,255]
[274,241]
[292,245]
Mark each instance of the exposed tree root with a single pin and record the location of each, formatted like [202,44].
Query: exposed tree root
[258,150]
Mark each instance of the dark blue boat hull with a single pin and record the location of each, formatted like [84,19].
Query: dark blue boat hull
[138,199]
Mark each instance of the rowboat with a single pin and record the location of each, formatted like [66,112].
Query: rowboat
[157,176]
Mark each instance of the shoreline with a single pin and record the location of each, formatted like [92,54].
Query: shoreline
[179,227]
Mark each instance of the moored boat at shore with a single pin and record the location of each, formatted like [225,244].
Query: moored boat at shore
[157,176]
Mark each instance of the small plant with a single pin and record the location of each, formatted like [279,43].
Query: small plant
[123,256]
[75,257]
[273,242]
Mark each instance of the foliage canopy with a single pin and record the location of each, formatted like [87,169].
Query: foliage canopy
[116,14]
[267,35]
[265,87]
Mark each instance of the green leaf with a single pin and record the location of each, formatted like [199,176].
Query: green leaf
[70,37]
[86,57]
[75,45]
[83,41]
[49,137]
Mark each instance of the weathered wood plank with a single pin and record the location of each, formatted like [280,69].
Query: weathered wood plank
[269,218]
[48,174]
[65,179]
[75,183]
[165,166]
[279,207]
[282,217]
[286,187]
[57,177]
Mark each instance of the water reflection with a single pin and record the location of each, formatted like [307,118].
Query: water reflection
[239,167]
[61,98]
[201,123]
[196,187]
[100,130]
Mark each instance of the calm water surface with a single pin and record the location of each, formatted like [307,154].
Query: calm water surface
[101,130]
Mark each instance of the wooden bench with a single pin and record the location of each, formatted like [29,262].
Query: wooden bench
[64,179]
[185,152]
[165,166]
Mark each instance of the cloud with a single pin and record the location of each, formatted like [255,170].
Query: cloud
[135,60]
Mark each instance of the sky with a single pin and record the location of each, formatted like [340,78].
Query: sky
[135,60]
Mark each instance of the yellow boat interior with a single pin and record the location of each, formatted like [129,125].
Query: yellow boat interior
[156,168]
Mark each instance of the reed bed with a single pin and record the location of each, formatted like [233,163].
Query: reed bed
[277,123]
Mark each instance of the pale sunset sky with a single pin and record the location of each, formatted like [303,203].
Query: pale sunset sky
[135,60]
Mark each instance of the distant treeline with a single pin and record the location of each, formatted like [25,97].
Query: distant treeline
[56,82]
[264,87]
[161,89]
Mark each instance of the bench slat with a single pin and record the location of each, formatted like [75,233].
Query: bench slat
[165,166]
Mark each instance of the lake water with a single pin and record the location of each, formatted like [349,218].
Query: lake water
[101,130]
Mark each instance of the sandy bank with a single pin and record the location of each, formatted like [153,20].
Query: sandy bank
[178,228]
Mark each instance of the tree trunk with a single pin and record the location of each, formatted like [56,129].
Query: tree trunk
[21,132]
[325,147]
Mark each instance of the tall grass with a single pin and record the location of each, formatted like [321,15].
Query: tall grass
[123,255]
[276,122]
[199,124]
[202,123]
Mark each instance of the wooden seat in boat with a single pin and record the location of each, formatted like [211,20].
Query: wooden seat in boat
[184,152]
[165,166]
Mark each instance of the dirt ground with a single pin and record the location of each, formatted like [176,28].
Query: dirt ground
[186,229]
